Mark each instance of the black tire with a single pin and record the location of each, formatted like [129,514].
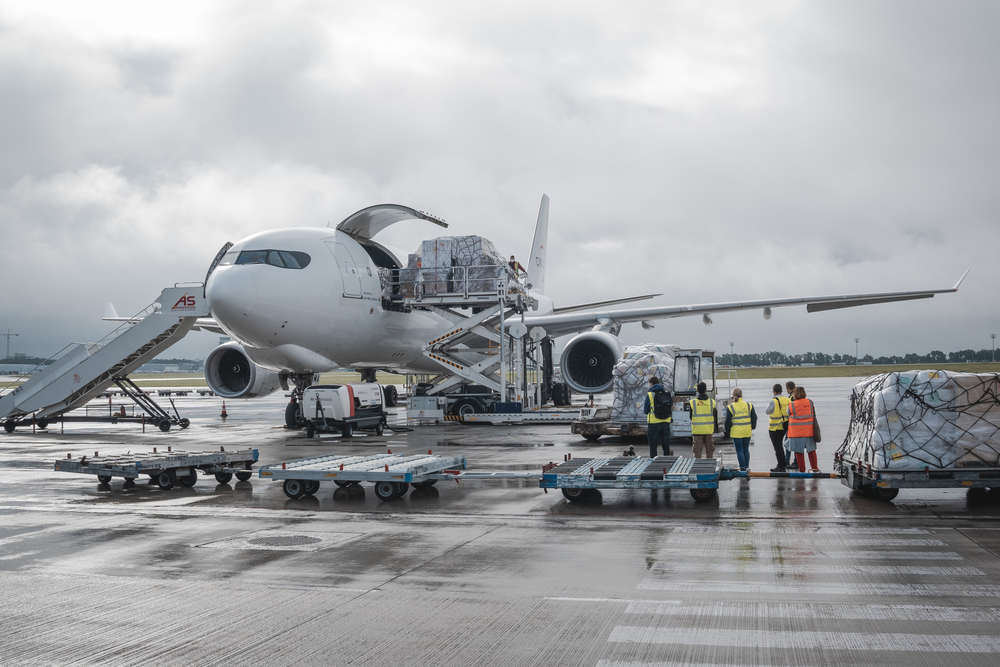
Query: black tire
[380,428]
[342,483]
[401,488]
[164,425]
[166,479]
[348,430]
[292,415]
[593,437]
[294,488]
[423,485]
[42,423]
[244,476]
[310,430]
[312,486]
[104,479]
[391,395]
[884,493]
[184,423]
[385,490]
[9,426]
[466,406]
[189,480]
[223,477]
[703,495]
[573,495]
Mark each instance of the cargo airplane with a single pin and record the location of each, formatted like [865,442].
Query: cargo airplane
[301,301]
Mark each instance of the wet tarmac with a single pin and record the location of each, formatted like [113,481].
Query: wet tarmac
[774,572]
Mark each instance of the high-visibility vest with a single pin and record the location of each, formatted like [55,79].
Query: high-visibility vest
[741,427]
[651,417]
[801,419]
[702,416]
[780,414]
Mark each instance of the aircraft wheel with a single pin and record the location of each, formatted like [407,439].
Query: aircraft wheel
[593,437]
[292,415]
[385,490]
[104,479]
[164,425]
[573,494]
[884,493]
[294,488]
[9,426]
[310,430]
[191,479]
[245,475]
[166,479]
[223,477]
[348,430]
[703,495]
[391,395]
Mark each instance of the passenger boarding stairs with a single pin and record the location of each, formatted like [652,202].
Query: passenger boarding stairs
[468,350]
[81,371]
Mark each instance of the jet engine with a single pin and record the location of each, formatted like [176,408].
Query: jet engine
[588,359]
[230,374]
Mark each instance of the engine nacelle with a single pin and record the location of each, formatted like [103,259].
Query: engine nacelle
[588,359]
[230,374]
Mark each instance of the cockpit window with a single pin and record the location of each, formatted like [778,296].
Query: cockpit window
[229,258]
[285,259]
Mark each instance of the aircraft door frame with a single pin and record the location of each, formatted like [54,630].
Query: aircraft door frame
[349,274]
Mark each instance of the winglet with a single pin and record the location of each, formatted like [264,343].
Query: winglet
[536,260]
[955,288]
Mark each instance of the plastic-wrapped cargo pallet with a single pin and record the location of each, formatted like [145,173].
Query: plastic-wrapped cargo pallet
[439,259]
[915,419]
[631,378]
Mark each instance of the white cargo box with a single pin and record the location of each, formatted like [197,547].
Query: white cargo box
[340,401]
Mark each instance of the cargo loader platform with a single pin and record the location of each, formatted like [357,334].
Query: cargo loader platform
[165,468]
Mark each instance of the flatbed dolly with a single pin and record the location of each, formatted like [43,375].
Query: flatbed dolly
[165,468]
[885,484]
[392,474]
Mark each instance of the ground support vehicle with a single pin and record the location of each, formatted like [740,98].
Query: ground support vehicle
[885,484]
[576,476]
[392,474]
[344,409]
[595,422]
[165,468]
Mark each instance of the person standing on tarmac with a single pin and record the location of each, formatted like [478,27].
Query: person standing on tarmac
[801,429]
[741,420]
[703,421]
[777,409]
[658,407]
[790,461]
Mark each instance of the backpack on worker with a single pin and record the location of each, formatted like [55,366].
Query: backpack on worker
[663,404]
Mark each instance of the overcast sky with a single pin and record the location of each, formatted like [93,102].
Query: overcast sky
[708,150]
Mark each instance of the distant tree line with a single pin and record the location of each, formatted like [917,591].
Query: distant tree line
[823,359]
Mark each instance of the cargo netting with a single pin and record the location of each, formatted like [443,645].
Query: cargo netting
[915,419]
[631,378]
[450,264]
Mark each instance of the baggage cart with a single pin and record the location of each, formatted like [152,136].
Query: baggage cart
[165,468]
[885,484]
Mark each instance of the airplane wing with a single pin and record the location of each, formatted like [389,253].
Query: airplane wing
[562,324]
[368,222]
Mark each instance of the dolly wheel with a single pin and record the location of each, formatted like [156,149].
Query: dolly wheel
[184,423]
[166,479]
[423,485]
[385,490]
[380,428]
[573,494]
[593,437]
[401,488]
[191,479]
[703,495]
[9,426]
[348,430]
[223,477]
[312,486]
[884,493]
[310,430]
[294,488]
[104,479]
[341,483]
[164,425]
[244,475]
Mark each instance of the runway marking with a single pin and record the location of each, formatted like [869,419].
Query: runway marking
[853,641]
[819,611]
[812,529]
[817,588]
[755,567]
[781,552]
[748,538]
[571,599]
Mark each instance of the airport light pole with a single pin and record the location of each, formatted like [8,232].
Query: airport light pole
[732,362]
[856,360]
[993,357]
[9,335]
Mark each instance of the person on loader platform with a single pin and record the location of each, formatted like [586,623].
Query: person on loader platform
[658,407]
[703,422]
[777,409]
[803,430]
[741,420]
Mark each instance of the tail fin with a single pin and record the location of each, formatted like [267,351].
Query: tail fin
[109,312]
[536,260]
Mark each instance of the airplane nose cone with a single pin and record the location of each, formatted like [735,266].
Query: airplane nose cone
[232,294]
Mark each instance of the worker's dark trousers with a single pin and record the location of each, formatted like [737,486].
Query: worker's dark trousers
[658,434]
[777,441]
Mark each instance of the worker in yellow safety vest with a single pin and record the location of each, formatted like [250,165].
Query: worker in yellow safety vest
[777,410]
[741,420]
[703,421]
[658,408]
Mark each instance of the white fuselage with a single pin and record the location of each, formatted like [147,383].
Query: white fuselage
[326,315]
